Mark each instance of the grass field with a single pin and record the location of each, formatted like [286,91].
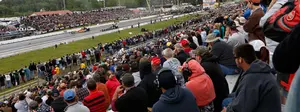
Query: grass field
[18,61]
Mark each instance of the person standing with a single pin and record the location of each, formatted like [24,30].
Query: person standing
[256,89]
[96,101]
[22,104]
[27,73]
[100,82]
[22,74]
[2,81]
[17,77]
[12,78]
[8,80]
[252,25]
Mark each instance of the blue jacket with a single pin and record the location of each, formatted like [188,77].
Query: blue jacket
[176,99]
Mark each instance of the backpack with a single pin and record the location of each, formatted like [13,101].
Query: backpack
[282,21]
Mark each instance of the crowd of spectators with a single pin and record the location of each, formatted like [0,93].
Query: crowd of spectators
[56,21]
[182,70]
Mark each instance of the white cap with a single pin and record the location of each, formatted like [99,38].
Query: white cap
[257,44]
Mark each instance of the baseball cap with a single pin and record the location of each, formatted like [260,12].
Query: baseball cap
[257,44]
[69,95]
[169,44]
[155,61]
[184,42]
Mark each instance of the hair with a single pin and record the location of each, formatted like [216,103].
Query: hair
[38,99]
[134,67]
[178,46]
[79,84]
[96,77]
[168,53]
[22,96]
[91,84]
[245,51]
[128,80]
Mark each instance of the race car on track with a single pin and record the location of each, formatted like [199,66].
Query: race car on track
[84,29]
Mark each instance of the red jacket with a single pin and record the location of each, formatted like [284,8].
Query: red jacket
[200,84]
[112,85]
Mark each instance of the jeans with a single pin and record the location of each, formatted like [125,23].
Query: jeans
[293,99]
[31,74]
[228,70]
[8,84]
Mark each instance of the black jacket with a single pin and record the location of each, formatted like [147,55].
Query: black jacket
[286,56]
[212,68]
[58,104]
[182,56]
[257,91]
[224,53]
[147,83]
[135,100]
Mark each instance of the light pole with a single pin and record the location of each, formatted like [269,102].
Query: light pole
[64,3]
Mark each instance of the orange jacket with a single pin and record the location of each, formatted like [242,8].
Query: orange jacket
[102,87]
[200,84]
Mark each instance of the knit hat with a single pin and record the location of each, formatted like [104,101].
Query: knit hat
[166,79]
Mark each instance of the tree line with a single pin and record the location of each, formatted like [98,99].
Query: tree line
[9,8]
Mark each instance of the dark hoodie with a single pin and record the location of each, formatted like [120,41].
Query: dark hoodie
[257,91]
[212,68]
[147,83]
[176,99]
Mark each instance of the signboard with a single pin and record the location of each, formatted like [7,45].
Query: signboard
[208,3]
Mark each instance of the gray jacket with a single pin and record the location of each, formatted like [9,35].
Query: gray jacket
[257,91]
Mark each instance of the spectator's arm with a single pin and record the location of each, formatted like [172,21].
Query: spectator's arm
[252,22]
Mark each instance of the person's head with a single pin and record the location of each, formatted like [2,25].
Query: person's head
[70,96]
[244,55]
[91,85]
[55,93]
[38,100]
[211,39]
[33,105]
[168,53]
[155,63]
[165,79]
[127,80]
[78,84]
[230,27]
[178,47]
[253,4]
[202,52]
[134,67]
[22,97]
[261,50]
